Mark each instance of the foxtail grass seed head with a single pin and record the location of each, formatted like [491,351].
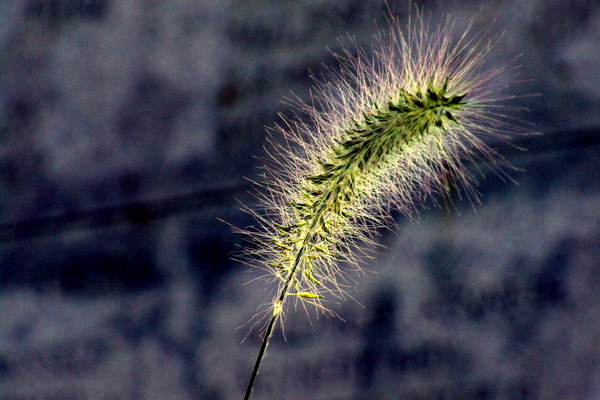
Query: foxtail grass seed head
[392,128]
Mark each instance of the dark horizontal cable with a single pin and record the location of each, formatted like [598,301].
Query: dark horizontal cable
[551,142]
[136,213]
[144,211]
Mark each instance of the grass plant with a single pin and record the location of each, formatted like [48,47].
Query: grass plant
[389,130]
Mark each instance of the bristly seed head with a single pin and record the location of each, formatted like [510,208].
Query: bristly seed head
[389,129]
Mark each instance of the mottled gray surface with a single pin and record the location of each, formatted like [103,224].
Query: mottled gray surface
[126,127]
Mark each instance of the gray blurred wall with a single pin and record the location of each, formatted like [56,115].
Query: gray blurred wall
[126,128]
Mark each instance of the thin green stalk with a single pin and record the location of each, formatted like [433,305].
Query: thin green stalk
[274,317]
[269,330]
[261,355]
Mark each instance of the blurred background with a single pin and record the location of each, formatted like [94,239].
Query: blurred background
[126,130]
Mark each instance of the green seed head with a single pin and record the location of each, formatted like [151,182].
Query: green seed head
[395,126]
